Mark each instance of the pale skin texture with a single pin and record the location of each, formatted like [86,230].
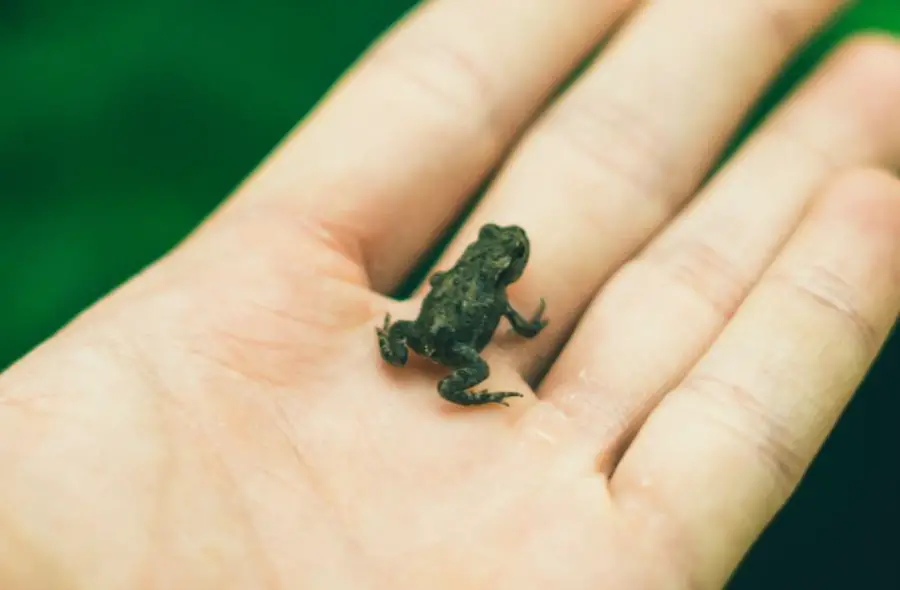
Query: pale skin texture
[224,420]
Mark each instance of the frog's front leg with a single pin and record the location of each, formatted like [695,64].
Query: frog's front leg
[471,370]
[526,328]
[392,340]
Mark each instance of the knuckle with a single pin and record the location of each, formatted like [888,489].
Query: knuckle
[833,295]
[703,269]
[751,425]
[614,147]
[449,80]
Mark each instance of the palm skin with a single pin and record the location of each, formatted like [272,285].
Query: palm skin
[244,445]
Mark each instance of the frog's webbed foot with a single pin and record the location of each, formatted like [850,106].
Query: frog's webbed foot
[455,387]
[527,328]
[392,340]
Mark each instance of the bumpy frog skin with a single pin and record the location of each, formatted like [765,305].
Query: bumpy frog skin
[461,312]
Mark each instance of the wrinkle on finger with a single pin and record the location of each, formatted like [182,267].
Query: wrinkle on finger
[648,324]
[398,147]
[748,420]
[626,146]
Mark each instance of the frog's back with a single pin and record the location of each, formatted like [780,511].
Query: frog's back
[459,308]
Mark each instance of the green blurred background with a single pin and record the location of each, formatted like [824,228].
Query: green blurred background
[124,123]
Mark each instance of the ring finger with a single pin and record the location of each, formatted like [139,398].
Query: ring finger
[743,426]
[659,314]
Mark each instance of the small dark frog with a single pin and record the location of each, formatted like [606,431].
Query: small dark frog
[461,312]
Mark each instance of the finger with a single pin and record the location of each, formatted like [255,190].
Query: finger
[724,450]
[659,313]
[629,143]
[391,156]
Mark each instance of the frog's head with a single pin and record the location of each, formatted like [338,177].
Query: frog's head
[508,248]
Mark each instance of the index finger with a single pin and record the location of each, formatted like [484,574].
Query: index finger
[389,159]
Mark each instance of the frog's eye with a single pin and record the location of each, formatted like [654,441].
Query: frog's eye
[488,230]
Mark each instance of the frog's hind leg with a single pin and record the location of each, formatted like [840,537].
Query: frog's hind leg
[392,340]
[472,371]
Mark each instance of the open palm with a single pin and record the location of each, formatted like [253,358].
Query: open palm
[225,420]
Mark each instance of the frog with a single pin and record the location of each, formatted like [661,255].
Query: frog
[461,312]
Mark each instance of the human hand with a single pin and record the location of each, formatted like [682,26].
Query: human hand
[224,419]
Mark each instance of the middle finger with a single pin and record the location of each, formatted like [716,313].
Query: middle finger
[622,150]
